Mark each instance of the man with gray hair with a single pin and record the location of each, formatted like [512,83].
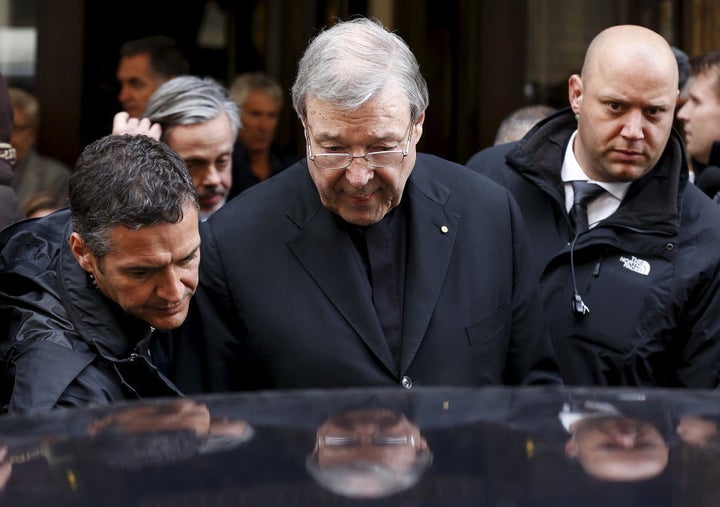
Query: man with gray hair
[520,121]
[366,263]
[34,174]
[256,156]
[368,453]
[199,120]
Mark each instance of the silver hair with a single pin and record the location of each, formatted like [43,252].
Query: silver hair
[189,100]
[519,122]
[366,479]
[248,82]
[349,63]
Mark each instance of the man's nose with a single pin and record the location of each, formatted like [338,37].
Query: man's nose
[358,173]
[633,128]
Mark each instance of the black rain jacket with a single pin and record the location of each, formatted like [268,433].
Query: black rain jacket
[62,343]
[649,273]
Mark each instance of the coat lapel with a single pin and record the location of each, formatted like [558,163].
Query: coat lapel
[432,231]
[326,253]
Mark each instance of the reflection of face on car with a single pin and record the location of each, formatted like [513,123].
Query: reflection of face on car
[618,448]
[179,427]
[368,453]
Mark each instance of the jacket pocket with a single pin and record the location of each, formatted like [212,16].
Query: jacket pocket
[490,327]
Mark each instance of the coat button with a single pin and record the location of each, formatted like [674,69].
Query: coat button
[406,382]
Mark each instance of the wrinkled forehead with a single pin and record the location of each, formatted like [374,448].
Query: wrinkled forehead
[391,97]
[389,106]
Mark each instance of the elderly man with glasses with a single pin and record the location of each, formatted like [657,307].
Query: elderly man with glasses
[367,263]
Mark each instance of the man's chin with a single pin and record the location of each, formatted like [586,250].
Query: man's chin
[168,322]
[167,325]
[208,209]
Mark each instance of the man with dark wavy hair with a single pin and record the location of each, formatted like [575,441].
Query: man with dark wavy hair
[144,65]
[85,291]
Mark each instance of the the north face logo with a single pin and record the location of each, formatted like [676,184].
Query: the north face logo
[636,265]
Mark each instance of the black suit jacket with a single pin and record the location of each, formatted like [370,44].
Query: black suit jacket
[284,303]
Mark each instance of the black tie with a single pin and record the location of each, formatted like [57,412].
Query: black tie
[584,192]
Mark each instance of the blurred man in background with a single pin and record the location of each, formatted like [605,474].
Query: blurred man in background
[256,157]
[144,65]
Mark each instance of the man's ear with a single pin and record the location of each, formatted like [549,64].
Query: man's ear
[575,92]
[571,450]
[418,128]
[81,252]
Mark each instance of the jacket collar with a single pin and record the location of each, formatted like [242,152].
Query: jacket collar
[714,154]
[655,200]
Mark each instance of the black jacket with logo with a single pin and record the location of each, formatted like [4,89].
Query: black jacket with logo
[649,273]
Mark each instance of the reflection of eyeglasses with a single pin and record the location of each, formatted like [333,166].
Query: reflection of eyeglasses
[375,159]
[357,439]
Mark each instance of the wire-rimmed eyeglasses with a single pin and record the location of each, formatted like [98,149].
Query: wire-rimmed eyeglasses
[357,439]
[374,159]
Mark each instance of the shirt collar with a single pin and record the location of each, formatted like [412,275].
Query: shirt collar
[572,171]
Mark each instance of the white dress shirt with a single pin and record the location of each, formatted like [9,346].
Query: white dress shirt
[600,208]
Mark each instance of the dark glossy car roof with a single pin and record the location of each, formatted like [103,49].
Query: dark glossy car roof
[500,447]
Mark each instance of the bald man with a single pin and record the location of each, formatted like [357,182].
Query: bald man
[633,298]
